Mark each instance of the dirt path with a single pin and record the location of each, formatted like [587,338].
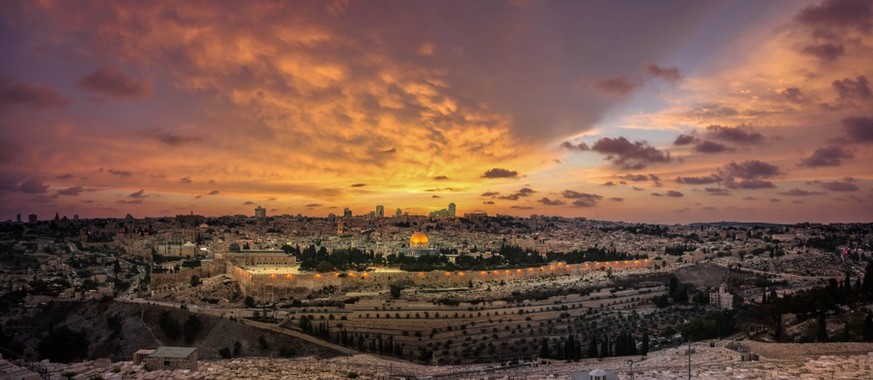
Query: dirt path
[141,313]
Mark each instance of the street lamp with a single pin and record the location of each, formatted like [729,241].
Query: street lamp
[631,364]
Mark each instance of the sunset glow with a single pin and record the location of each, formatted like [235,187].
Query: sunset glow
[669,112]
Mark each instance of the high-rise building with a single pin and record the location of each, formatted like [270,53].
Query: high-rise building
[398,213]
[380,211]
[347,213]
[452,210]
[32,219]
[18,218]
[260,212]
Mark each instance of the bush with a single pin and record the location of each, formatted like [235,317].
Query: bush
[64,345]
[225,353]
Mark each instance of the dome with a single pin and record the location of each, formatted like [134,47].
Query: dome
[234,247]
[418,239]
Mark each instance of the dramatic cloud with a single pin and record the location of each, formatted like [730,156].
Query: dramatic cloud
[138,194]
[120,173]
[717,191]
[751,169]
[858,89]
[71,191]
[213,192]
[581,147]
[827,156]
[31,95]
[707,146]
[388,151]
[440,178]
[859,129]
[838,14]
[358,185]
[737,135]
[185,180]
[616,199]
[794,94]
[582,199]
[684,140]
[32,186]
[670,193]
[517,207]
[550,202]
[826,52]
[629,155]
[248,203]
[523,192]
[619,86]
[669,74]
[111,81]
[500,173]
[752,184]
[712,178]
[845,185]
[173,139]
[313,205]
[795,192]
[490,194]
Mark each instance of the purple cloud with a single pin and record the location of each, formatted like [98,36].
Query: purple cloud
[112,82]
[669,74]
[500,173]
[28,94]
[827,156]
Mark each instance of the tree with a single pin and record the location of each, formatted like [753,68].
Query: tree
[395,290]
[645,346]
[195,280]
[262,342]
[867,286]
[169,325]
[224,352]
[324,266]
[237,348]
[822,335]
[249,302]
[592,347]
[868,329]
[191,328]
[64,345]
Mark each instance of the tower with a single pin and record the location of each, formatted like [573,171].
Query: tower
[380,211]
[452,210]
[397,213]
[347,213]
[260,212]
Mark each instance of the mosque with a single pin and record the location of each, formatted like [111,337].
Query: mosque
[419,245]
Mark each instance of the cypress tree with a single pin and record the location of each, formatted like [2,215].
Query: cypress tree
[645,346]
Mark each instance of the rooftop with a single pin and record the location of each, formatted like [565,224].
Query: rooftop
[173,352]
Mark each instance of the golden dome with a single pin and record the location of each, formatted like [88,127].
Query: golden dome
[418,239]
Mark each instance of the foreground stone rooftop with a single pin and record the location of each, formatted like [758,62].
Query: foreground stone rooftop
[785,362]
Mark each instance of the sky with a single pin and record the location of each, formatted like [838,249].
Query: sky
[656,112]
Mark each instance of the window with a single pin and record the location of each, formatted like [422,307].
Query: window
[166,363]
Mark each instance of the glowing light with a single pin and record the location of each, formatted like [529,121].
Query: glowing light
[448,274]
[287,276]
[318,276]
[483,273]
[461,274]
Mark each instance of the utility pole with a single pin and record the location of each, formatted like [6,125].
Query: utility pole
[689,359]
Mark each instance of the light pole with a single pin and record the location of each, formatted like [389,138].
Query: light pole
[689,359]
[631,364]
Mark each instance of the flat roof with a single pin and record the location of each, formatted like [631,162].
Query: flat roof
[173,352]
[271,269]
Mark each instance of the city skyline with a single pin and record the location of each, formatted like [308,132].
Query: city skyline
[668,112]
